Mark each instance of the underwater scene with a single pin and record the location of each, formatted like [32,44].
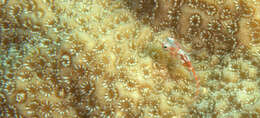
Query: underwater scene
[129,58]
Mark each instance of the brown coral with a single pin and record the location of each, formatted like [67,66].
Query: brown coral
[104,58]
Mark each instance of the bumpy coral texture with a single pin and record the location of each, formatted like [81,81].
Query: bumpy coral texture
[103,58]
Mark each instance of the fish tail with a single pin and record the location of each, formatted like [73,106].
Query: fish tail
[197,81]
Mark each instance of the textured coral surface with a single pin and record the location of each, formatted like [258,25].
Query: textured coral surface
[103,58]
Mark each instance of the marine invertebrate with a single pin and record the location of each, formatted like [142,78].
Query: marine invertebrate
[232,27]
[32,90]
[61,91]
[111,95]
[104,58]
[45,108]
[225,14]
[46,89]
[244,9]
[3,99]
[86,88]
[32,107]
[63,108]
[215,25]
[195,20]
[211,9]
[21,96]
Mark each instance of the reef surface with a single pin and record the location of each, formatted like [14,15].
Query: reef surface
[103,58]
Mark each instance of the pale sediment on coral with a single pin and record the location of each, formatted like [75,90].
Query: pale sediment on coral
[103,58]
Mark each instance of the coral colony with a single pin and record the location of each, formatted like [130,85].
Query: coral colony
[104,58]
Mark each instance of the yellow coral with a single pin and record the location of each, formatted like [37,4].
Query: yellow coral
[103,58]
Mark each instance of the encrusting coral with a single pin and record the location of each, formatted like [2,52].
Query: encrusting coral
[103,58]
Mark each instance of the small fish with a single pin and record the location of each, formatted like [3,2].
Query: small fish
[174,48]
